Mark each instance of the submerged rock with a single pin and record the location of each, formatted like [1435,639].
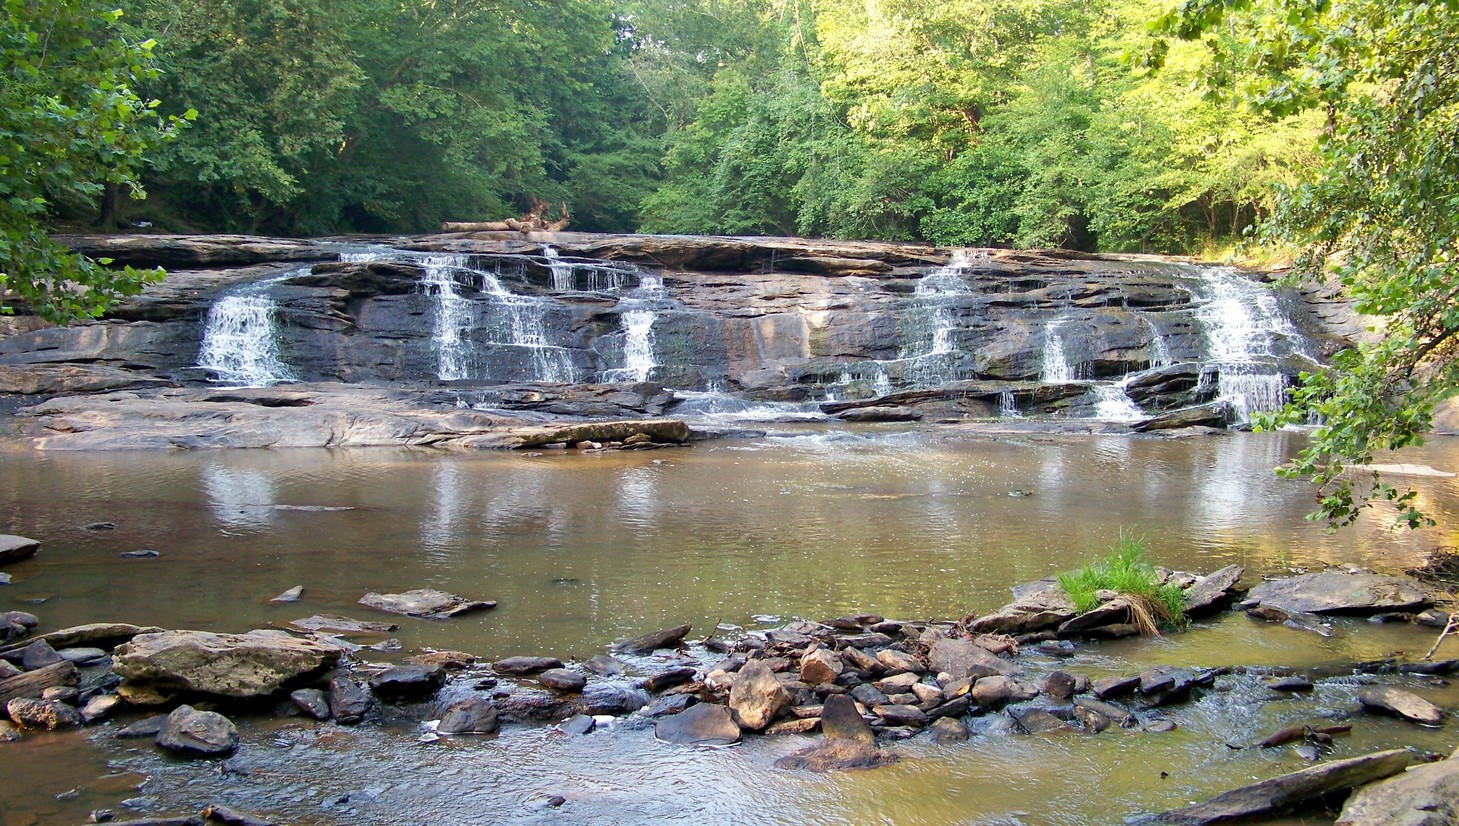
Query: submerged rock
[230,665]
[408,681]
[427,603]
[1334,592]
[706,724]
[349,700]
[837,755]
[1277,793]
[337,624]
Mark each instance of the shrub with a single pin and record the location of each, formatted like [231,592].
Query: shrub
[1128,571]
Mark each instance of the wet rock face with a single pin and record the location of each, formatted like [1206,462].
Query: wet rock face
[773,319]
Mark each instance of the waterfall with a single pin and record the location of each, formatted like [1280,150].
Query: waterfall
[241,337]
[1008,406]
[929,352]
[1159,347]
[1246,332]
[1113,404]
[637,317]
[562,273]
[1054,367]
[452,316]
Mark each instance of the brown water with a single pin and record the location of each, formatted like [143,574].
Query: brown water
[580,550]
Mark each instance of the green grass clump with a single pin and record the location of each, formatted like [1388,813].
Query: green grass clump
[1128,571]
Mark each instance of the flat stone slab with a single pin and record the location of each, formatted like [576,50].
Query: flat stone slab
[837,754]
[1405,704]
[1286,790]
[1422,796]
[427,603]
[14,548]
[705,724]
[1034,611]
[965,658]
[525,665]
[337,624]
[1334,592]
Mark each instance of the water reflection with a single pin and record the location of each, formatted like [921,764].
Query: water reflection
[239,498]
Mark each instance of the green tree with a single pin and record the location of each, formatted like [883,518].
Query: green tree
[71,123]
[1380,214]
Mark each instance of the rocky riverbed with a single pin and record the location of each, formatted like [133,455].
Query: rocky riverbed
[853,686]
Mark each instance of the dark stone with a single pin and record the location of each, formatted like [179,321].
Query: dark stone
[956,707]
[474,715]
[664,638]
[836,755]
[578,724]
[99,526]
[408,681]
[609,698]
[668,679]
[145,553]
[604,666]
[902,715]
[1283,791]
[189,731]
[868,695]
[1215,414]
[1059,685]
[1034,610]
[42,714]
[562,679]
[82,656]
[1267,613]
[312,702]
[949,730]
[1214,591]
[528,706]
[1422,796]
[670,704]
[1035,721]
[146,727]
[517,666]
[39,655]
[219,813]
[964,658]
[706,724]
[1119,716]
[349,700]
[15,548]
[1291,683]
[881,413]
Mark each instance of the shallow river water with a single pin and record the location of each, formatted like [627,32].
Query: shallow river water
[580,550]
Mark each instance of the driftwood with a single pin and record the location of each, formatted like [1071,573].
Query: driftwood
[32,684]
[1450,627]
[533,220]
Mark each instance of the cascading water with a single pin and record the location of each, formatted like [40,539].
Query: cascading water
[638,317]
[590,277]
[1113,404]
[520,322]
[240,339]
[1246,332]
[1054,366]
[1159,347]
[929,352]
[452,319]
[562,273]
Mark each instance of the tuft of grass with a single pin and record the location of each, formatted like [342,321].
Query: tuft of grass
[1128,571]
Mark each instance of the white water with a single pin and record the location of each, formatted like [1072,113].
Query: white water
[1159,347]
[1245,332]
[637,317]
[1113,404]
[1008,406]
[240,339]
[1054,367]
[716,406]
[562,273]
[451,318]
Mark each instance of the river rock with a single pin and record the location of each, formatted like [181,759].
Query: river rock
[578,724]
[39,655]
[219,813]
[83,656]
[663,638]
[1270,796]
[1115,714]
[189,731]
[840,719]
[562,679]
[997,691]
[1037,610]
[706,724]
[291,595]
[897,662]
[1216,414]
[424,602]
[901,715]
[349,700]
[408,681]
[1213,591]
[1060,685]
[312,702]
[757,697]
[146,727]
[820,666]
[1405,704]
[230,665]
[101,634]
[334,623]
[1335,592]
[99,707]
[1425,795]
[858,659]
[42,714]
[964,658]
[8,732]
[668,679]
[605,666]
[7,670]
[669,704]
[1114,611]
[518,666]
[949,730]
[1036,721]
[32,684]
[474,715]
[881,413]
[836,755]
[15,548]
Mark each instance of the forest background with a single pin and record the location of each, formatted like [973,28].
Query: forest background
[960,122]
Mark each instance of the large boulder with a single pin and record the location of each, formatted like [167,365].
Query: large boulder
[229,665]
[1422,796]
[474,715]
[757,697]
[42,714]
[1335,592]
[705,724]
[841,720]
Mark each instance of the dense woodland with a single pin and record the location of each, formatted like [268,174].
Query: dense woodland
[988,122]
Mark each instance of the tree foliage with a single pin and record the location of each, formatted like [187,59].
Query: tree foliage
[1380,215]
[71,124]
